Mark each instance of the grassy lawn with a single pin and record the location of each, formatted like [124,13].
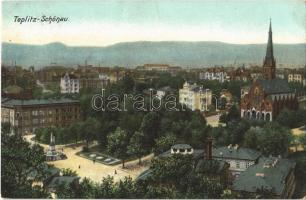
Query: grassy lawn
[300,173]
[104,151]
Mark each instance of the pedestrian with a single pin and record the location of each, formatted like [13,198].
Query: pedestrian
[79,166]
[94,161]
[115,171]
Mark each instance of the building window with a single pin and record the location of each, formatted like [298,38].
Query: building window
[35,121]
[237,165]
[34,112]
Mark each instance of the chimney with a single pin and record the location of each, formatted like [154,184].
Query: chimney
[209,148]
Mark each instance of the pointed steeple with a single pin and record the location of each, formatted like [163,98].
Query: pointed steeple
[269,53]
[269,62]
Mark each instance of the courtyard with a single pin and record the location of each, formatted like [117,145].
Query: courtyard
[95,170]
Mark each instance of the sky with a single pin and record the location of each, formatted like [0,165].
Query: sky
[102,23]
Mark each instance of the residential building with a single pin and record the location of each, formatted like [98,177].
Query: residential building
[240,74]
[274,175]
[98,81]
[159,67]
[28,115]
[162,92]
[298,76]
[239,158]
[69,84]
[216,73]
[268,96]
[195,97]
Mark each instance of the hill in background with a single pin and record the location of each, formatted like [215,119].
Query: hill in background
[129,54]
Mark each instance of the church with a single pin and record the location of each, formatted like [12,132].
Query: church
[269,95]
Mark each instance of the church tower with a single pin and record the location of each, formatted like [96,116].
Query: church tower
[269,62]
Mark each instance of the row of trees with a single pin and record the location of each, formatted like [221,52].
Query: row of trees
[173,177]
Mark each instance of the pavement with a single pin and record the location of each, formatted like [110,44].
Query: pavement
[213,120]
[95,171]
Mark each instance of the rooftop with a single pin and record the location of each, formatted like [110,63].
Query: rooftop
[275,86]
[59,180]
[235,153]
[181,146]
[211,166]
[32,102]
[269,173]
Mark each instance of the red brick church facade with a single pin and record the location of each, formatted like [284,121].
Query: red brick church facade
[269,95]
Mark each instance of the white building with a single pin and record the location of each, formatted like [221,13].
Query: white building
[181,149]
[195,97]
[69,84]
[214,74]
[297,77]
[239,158]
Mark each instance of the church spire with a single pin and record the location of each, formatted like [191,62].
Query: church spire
[269,62]
[269,53]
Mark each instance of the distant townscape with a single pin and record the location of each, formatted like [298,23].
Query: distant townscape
[241,134]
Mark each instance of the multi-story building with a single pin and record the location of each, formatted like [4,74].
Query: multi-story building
[298,76]
[159,67]
[27,115]
[69,84]
[239,158]
[195,97]
[240,74]
[275,175]
[96,82]
[217,73]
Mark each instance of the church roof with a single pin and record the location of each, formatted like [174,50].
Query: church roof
[275,86]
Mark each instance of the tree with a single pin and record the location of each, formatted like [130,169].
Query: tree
[302,140]
[272,139]
[150,127]
[68,172]
[223,102]
[292,119]
[135,146]
[125,189]
[163,143]
[233,114]
[117,143]
[74,131]
[106,188]
[89,130]
[18,160]
[251,137]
